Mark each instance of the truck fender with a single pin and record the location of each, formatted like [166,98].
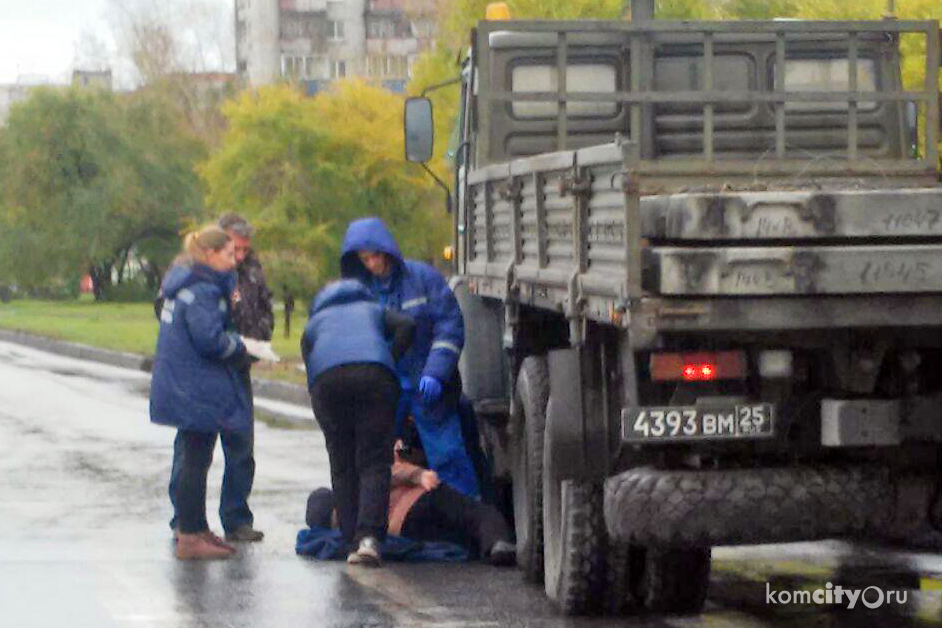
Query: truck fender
[576,427]
[483,362]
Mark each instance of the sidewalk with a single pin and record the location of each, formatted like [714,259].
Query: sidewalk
[287,401]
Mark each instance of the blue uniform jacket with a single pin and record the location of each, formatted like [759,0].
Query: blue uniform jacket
[196,384]
[346,326]
[415,289]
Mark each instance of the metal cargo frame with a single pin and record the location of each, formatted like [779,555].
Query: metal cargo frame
[642,37]
[509,244]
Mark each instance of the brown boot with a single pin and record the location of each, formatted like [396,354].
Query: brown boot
[210,536]
[198,547]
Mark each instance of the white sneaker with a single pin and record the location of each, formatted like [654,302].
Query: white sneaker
[367,554]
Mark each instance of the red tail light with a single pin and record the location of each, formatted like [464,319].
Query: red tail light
[698,367]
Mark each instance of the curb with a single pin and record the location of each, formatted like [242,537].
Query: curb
[265,388]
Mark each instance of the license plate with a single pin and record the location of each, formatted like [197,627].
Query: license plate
[677,423]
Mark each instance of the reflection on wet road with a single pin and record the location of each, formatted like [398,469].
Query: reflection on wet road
[84,539]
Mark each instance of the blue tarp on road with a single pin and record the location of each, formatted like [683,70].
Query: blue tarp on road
[327,544]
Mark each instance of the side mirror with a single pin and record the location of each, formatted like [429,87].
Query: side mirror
[419,130]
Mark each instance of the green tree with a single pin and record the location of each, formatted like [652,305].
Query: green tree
[758,9]
[273,167]
[685,9]
[302,168]
[89,181]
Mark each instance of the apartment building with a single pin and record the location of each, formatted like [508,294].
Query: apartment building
[316,41]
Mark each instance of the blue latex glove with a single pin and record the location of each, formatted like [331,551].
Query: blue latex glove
[430,388]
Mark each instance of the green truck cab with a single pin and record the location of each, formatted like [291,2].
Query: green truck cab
[700,265]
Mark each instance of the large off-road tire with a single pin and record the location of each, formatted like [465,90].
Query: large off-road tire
[574,539]
[672,580]
[529,423]
[620,565]
[695,509]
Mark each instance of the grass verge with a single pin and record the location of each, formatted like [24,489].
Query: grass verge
[132,327]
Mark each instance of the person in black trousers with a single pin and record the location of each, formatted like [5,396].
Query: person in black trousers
[288,299]
[354,395]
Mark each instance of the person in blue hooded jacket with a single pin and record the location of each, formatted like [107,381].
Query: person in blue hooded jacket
[428,372]
[350,345]
[196,386]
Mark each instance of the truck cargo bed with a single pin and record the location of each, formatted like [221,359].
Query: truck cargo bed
[557,232]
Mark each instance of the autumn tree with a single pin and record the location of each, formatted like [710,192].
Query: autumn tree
[90,182]
[302,168]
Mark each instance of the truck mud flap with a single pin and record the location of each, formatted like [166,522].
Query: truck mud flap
[794,215]
[797,270]
[655,507]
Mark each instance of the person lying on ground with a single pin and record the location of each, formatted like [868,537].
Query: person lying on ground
[422,508]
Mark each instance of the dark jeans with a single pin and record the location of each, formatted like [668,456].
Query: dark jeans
[238,449]
[355,405]
[188,492]
[444,513]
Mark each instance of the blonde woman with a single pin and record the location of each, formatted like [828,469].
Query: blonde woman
[196,386]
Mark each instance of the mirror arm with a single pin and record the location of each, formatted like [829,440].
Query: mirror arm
[442,185]
[432,88]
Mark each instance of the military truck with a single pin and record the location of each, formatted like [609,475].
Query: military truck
[700,265]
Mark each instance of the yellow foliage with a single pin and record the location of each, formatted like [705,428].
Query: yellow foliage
[367,119]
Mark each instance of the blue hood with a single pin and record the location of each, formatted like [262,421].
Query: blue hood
[367,234]
[340,292]
[181,276]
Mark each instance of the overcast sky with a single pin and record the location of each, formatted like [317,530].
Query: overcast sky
[41,40]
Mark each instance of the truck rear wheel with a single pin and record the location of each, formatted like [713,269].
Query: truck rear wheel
[619,566]
[671,580]
[574,539]
[529,422]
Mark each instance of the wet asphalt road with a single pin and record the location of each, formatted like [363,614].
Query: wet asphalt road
[84,539]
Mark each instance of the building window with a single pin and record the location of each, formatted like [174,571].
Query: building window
[335,30]
[373,66]
[423,29]
[397,66]
[338,69]
[302,67]
[289,66]
[387,66]
[380,28]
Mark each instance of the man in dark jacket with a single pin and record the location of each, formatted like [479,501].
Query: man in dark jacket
[428,372]
[354,391]
[254,318]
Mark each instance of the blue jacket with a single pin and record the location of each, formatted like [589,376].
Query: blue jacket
[196,383]
[346,325]
[416,289]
